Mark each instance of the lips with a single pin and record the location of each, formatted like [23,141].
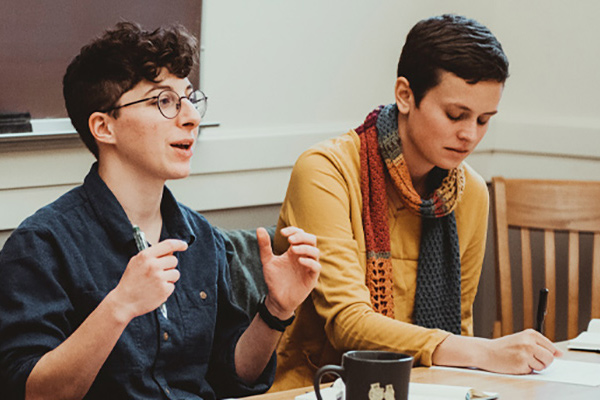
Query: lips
[183,144]
[461,151]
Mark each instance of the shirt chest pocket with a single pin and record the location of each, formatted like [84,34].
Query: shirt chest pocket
[198,312]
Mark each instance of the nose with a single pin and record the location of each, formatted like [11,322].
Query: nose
[469,131]
[188,114]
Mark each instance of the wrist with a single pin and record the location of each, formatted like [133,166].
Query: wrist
[121,311]
[461,351]
[271,320]
[275,310]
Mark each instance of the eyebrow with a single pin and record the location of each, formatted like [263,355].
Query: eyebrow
[465,108]
[166,87]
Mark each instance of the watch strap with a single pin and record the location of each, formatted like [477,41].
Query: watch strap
[272,321]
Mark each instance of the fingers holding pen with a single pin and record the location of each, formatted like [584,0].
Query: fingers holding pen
[165,248]
[520,353]
[537,351]
[544,353]
[161,260]
[546,343]
[150,277]
[541,359]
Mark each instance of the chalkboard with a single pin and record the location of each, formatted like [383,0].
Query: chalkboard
[38,39]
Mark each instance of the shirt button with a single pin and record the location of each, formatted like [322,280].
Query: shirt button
[166,336]
[168,391]
[203,295]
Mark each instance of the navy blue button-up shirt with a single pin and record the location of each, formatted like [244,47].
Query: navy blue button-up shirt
[62,261]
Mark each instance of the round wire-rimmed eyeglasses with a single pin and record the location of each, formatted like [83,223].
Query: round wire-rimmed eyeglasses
[169,103]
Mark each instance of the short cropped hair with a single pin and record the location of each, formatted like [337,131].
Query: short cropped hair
[450,43]
[117,61]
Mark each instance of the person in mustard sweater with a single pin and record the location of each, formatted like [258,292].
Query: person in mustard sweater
[401,219]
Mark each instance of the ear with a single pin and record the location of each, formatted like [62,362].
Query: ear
[100,126]
[404,95]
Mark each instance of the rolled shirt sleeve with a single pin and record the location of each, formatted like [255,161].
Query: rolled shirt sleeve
[33,306]
[231,323]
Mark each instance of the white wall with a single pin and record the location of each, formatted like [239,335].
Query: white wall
[283,65]
[283,74]
[549,126]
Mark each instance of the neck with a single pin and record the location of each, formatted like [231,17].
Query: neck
[139,196]
[417,167]
[419,183]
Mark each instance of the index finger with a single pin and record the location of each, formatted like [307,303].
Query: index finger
[300,237]
[290,230]
[166,247]
[548,345]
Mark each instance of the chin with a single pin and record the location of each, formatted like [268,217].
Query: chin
[448,165]
[179,173]
[180,176]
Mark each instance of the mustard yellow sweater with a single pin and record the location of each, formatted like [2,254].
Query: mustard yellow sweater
[324,198]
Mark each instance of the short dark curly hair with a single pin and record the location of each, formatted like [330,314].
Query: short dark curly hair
[450,43]
[117,61]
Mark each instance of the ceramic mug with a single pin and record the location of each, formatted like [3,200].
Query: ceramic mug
[372,375]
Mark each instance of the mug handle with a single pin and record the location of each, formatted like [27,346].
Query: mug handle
[332,369]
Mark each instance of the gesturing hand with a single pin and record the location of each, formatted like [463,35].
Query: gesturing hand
[291,276]
[149,278]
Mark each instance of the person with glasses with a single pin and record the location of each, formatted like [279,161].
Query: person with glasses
[401,219]
[117,291]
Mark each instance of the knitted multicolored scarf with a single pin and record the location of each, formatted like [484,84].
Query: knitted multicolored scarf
[437,297]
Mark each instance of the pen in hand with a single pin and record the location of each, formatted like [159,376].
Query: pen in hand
[142,244]
[541,311]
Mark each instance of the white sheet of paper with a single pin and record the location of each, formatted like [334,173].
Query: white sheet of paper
[334,392]
[416,391]
[564,371]
[426,391]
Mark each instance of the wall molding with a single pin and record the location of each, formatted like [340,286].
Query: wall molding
[230,169]
[248,168]
[558,149]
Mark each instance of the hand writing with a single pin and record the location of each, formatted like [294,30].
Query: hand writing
[520,353]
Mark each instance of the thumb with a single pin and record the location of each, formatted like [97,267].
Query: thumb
[264,245]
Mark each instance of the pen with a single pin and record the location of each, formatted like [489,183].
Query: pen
[541,311]
[142,244]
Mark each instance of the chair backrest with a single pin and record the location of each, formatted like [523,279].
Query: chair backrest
[548,206]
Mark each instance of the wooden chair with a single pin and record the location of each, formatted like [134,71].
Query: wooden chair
[548,206]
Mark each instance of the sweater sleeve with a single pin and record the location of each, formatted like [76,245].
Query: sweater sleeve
[324,198]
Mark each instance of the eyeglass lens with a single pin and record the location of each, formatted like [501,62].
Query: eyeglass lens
[169,103]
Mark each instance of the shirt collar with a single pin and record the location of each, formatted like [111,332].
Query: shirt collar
[113,218]
[177,226]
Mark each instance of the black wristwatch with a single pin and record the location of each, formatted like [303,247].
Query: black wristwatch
[272,321]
